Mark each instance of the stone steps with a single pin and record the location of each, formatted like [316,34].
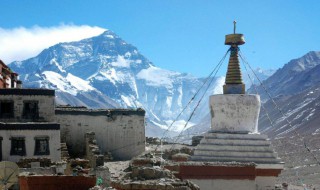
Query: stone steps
[235,136]
[227,147]
[235,159]
[235,142]
[238,148]
[235,154]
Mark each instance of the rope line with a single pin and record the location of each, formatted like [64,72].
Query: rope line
[276,106]
[197,92]
[191,115]
[193,97]
[256,91]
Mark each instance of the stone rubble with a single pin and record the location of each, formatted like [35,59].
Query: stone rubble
[145,172]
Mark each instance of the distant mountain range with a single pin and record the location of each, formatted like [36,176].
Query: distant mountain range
[106,72]
[294,77]
[295,88]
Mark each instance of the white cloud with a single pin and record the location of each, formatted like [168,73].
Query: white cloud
[21,43]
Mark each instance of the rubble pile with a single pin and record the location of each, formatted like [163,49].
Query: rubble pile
[26,162]
[145,172]
[170,154]
[108,157]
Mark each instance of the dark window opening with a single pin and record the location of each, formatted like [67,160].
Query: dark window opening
[18,146]
[30,110]
[6,109]
[42,146]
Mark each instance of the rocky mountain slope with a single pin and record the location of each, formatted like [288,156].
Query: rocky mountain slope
[297,94]
[106,72]
[294,77]
[295,89]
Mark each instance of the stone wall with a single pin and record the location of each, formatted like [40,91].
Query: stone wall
[121,132]
[45,99]
[93,151]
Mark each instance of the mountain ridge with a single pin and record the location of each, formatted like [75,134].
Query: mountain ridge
[105,71]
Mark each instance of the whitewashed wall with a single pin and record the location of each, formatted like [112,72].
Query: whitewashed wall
[122,135]
[54,144]
[222,184]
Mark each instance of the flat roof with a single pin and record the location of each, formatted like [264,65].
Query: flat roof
[27,91]
[106,112]
[30,126]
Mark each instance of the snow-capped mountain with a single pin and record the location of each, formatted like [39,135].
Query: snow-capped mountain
[105,71]
[294,77]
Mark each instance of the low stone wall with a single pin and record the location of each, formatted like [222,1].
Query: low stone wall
[27,162]
[38,171]
[93,151]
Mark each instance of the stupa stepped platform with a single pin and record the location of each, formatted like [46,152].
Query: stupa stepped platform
[228,147]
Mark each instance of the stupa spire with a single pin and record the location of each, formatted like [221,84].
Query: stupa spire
[233,83]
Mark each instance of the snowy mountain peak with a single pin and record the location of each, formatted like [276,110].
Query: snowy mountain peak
[108,34]
[105,71]
[305,62]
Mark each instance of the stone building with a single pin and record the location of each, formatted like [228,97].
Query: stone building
[8,79]
[30,125]
[119,131]
[28,128]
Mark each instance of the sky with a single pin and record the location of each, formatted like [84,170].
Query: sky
[179,35]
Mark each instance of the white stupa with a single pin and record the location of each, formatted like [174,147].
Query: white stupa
[234,136]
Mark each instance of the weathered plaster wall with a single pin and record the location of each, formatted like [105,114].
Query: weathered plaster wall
[267,175]
[235,113]
[46,106]
[29,135]
[222,184]
[121,134]
[265,182]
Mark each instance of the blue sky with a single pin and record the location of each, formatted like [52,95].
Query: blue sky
[185,35]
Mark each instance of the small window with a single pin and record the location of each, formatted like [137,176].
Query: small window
[30,110]
[41,146]
[18,146]
[6,109]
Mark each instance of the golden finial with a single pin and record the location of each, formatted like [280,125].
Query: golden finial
[234,84]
